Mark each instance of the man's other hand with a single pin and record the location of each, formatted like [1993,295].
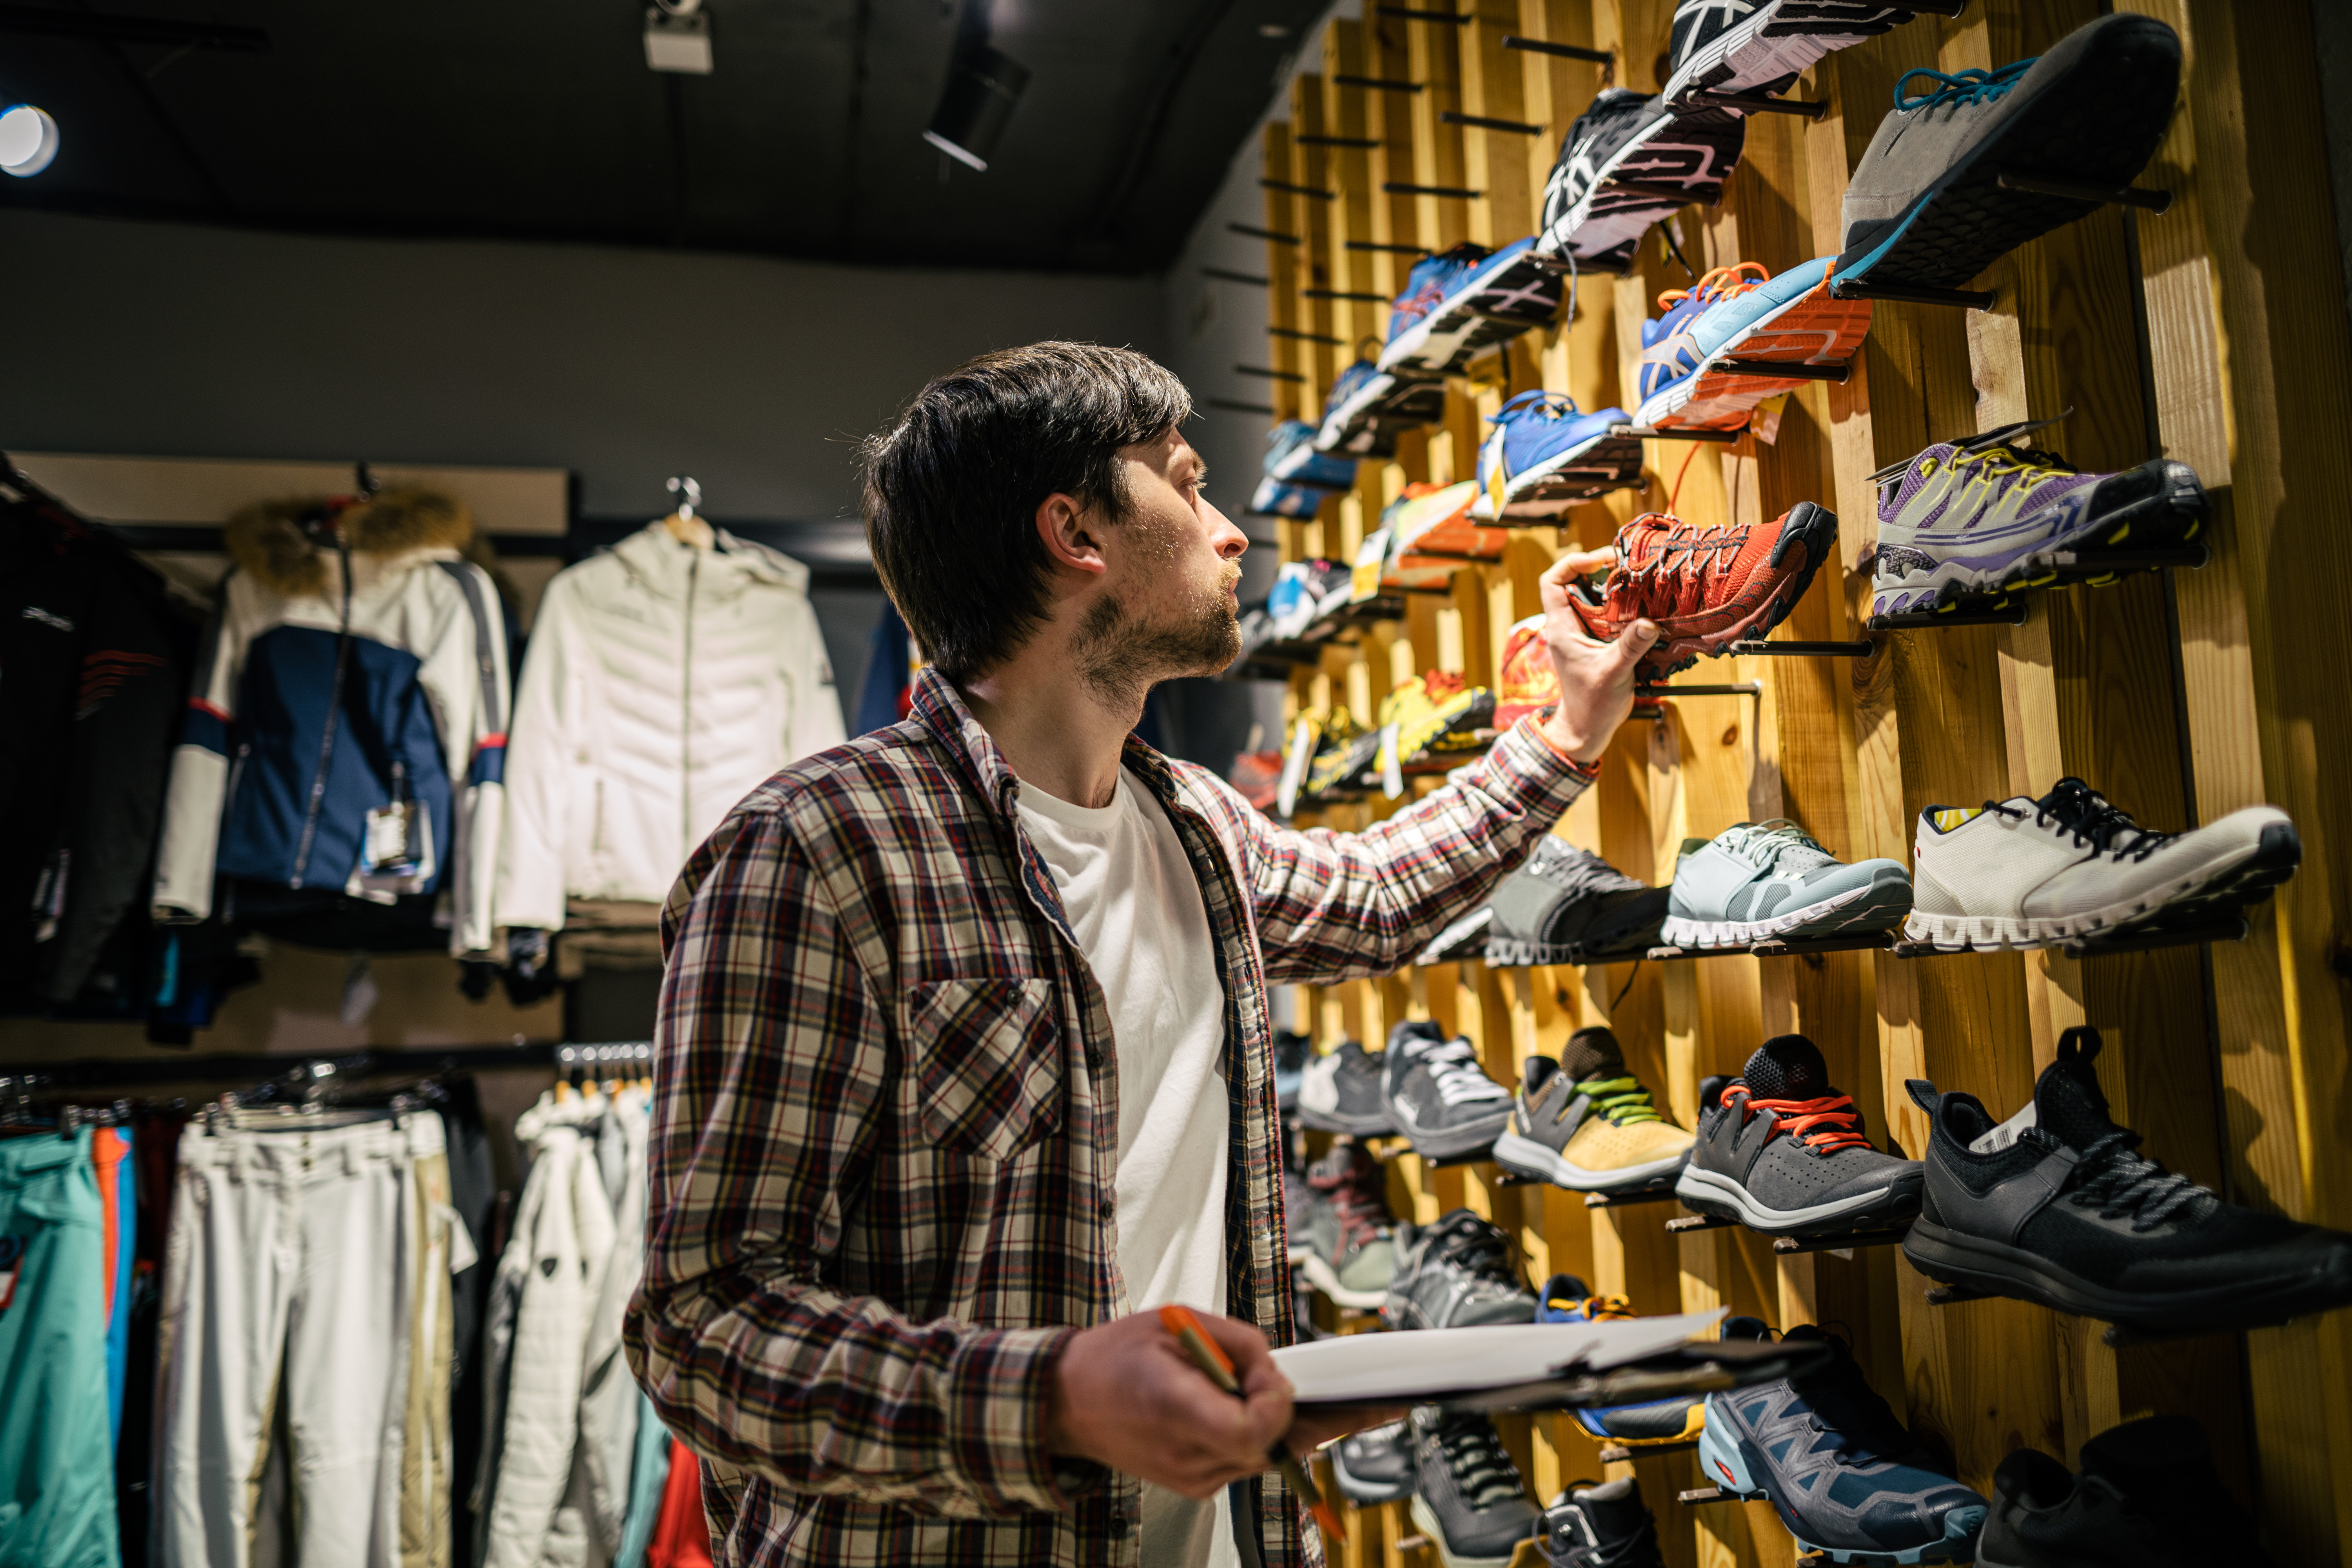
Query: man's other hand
[1125,1395]
[1596,678]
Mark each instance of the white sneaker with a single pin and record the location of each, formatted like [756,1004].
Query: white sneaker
[2034,873]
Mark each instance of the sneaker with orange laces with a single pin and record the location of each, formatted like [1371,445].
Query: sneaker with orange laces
[1783,1153]
[1707,362]
[1705,587]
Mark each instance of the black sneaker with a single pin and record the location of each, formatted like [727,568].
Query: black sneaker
[1626,162]
[2147,1497]
[1339,1091]
[1375,1466]
[1590,1526]
[1763,47]
[1925,206]
[1782,1153]
[1567,905]
[1439,1096]
[1456,1274]
[1292,1051]
[1466,1495]
[1465,938]
[2053,1205]
[1345,1240]
[1583,1122]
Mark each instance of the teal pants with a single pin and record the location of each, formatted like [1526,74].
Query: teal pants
[57,1466]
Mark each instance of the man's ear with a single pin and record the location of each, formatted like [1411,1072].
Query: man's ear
[1071,534]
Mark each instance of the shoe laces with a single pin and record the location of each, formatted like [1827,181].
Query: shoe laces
[2121,1183]
[1481,1466]
[1581,871]
[1777,845]
[1685,553]
[1825,1125]
[1537,405]
[1716,287]
[2091,819]
[1622,1102]
[1594,1309]
[1478,1248]
[1971,86]
[1453,1068]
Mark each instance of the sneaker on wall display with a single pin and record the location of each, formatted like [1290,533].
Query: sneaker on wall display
[1343,751]
[1465,938]
[2148,1497]
[1626,162]
[1584,1123]
[1458,1273]
[1707,362]
[1842,1472]
[1461,302]
[1345,1245]
[1435,520]
[1564,1298]
[1761,881]
[1467,1497]
[1525,683]
[1783,1152]
[1339,1091]
[1543,455]
[2055,1206]
[1600,1525]
[2034,873]
[1436,714]
[1762,46]
[1990,514]
[1291,459]
[1438,1094]
[1368,408]
[1567,905]
[1706,588]
[1926,207]
[1273,498]
[1374,1465]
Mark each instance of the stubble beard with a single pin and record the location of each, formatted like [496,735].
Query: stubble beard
[1120,657]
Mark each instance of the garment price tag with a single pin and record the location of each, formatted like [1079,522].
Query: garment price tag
[392,839]
[1391,764]
[1294,766]
[12,1264]
[1364,582]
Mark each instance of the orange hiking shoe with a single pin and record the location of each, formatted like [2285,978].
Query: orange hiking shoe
[1526,681]
[1706,587]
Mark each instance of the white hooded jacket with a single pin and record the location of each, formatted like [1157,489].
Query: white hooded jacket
[663,684]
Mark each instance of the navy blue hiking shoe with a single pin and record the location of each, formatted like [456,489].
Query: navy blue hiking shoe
[1823,1448]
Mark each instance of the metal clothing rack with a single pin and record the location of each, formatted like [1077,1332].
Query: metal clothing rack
[118,1072]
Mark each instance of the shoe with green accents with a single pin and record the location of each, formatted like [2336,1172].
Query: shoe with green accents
[1585,1123]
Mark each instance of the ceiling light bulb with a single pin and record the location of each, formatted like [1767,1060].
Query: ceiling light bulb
[28,141]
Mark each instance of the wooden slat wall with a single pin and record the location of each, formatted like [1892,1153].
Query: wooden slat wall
[2181,696]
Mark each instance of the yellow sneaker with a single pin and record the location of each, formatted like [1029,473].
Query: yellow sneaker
[1437,713]
[1342,753]
[1585,1123]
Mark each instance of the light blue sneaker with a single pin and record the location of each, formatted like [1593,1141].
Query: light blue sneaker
[1459,304]
[1760,880]
[1840,1471]
[1291,459]
[1731,318]
[1543,455]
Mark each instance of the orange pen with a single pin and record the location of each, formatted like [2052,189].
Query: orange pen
[1205,1353]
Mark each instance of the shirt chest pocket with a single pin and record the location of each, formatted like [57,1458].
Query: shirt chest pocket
[987,1055]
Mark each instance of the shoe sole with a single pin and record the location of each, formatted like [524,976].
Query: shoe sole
[1465,329]
[1590,468]
[1456,1143]
[1693,1425]
[1378,1126]
[1812,526]
[2108,112]
[1525,1157]
[1365,426]
[1623,225]
[1793,57]
[1939,590]
[1711,1193]
[1950,1257]
[1321,1275]
[1881,906]
[1724,1460]
[1620,935]
[1290,469]
[1814,328]
[1445,1555]
[2245,878]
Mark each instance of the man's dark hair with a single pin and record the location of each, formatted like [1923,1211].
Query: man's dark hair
[953,484]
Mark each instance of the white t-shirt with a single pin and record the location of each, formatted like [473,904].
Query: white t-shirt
[1135,906]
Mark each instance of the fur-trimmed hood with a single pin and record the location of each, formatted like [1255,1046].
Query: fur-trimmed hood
[268,541]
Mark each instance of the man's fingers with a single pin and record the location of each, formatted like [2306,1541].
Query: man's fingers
[1576,562]
[1634,642]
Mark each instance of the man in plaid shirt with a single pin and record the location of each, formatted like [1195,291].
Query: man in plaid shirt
[964,1054]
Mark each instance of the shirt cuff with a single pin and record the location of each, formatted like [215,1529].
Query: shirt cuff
[1534,724]
[1002,1388]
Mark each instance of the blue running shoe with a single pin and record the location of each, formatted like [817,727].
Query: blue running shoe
[1465,302]
[1826,1452]
[1543,455]
[1275,499]
[1565,1300]
[1291,459]
[1368,407]
[1706,364]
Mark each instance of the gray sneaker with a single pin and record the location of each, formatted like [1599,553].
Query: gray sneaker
[1339,1091]
[1346,1234]
[1466,1493]
[1783,1153]
[1375,1466]
[1439,1096]
[1456,1274]
[1760,880]
[1567,905]
[1626,162]
[1925,206]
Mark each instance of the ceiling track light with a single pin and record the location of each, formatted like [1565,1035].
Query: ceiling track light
[678,37]
[28,141]
[984,85]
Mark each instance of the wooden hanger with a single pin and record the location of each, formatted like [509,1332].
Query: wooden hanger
[683,525]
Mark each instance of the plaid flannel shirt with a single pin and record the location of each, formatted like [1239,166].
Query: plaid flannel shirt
[885,1131]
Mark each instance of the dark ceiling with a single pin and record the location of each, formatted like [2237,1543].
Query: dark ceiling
[539,119]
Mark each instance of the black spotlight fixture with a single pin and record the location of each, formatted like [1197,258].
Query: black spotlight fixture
[983,84]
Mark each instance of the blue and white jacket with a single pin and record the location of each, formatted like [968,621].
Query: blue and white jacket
[323,698]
